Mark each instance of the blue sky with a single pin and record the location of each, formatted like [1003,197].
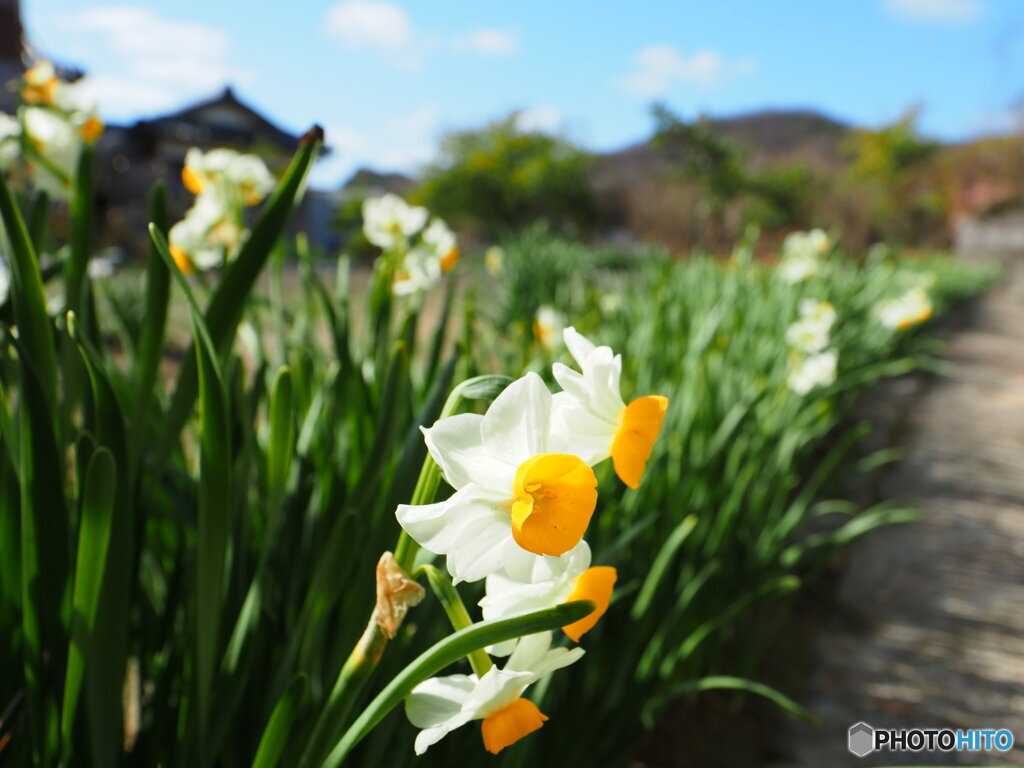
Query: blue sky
[386,79]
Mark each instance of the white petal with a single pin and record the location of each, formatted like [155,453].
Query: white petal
[576,429]
[497,689]
[456,443]
[430,736]
[506,598]
[517,424]
[579,346]
[501,649]
[477,550]
[438,699]
[530,650]
[554,659]
[571,381]
[535,655]
[436,527]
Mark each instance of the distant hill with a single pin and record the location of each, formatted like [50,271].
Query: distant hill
[366,182]
[770,136]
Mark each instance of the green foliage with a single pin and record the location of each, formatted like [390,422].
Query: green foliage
[776,197]
[188,543]
[890,171]
[503,177]
[782,198]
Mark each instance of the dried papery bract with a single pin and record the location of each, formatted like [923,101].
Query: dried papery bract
[396,594]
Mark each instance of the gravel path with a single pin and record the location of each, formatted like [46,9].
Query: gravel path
[930,625]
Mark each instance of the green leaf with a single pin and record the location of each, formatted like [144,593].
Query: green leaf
[214,524]
[448,651]
[44,560]
[81,231]
[278,733]
[34,326]
[214,501]
[661,563]
[154,326]
[97,515]
[281,445]
[230,297]
[652,707]
[109,653]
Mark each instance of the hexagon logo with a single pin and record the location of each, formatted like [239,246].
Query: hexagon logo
[861,739]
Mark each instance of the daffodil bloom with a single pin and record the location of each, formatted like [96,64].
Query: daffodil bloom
[441,704]
[517,485]
[41,85]
[592,410]
[611,303]
[811,332]
[494,260]
[813,371]
[439,239]
[389,221]
[207,235]
[89,127]
[421,266]
[419,271]
[548,326]
[56,145]
[801,254]
[529,583]
[10,138]
[244,177]
[910,309]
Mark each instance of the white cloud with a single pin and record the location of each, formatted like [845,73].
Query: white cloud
[369,24]
[150,62]
[491,42]
[935,10]
[545,118]
[403,143]
[659,68]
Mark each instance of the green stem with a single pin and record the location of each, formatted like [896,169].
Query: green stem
[360,664]
[445,652]
[477,388]
[424,493]
[364,658]
[457,613]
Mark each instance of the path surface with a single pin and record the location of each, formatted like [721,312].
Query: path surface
[930,624]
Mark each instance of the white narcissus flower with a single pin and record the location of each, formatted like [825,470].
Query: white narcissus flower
[207,235]
[813,243]
[251,178]
[10,137]
[441,704]
[57,144]
[548,326]
[908,310]
[517,486]
[440,240]
[530,583]
[388,221]
[811,332]
[801,254]
[494,260]
[422,266]
[813,371]
[41,85]
[242,177]
[419,272]
[592,410]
